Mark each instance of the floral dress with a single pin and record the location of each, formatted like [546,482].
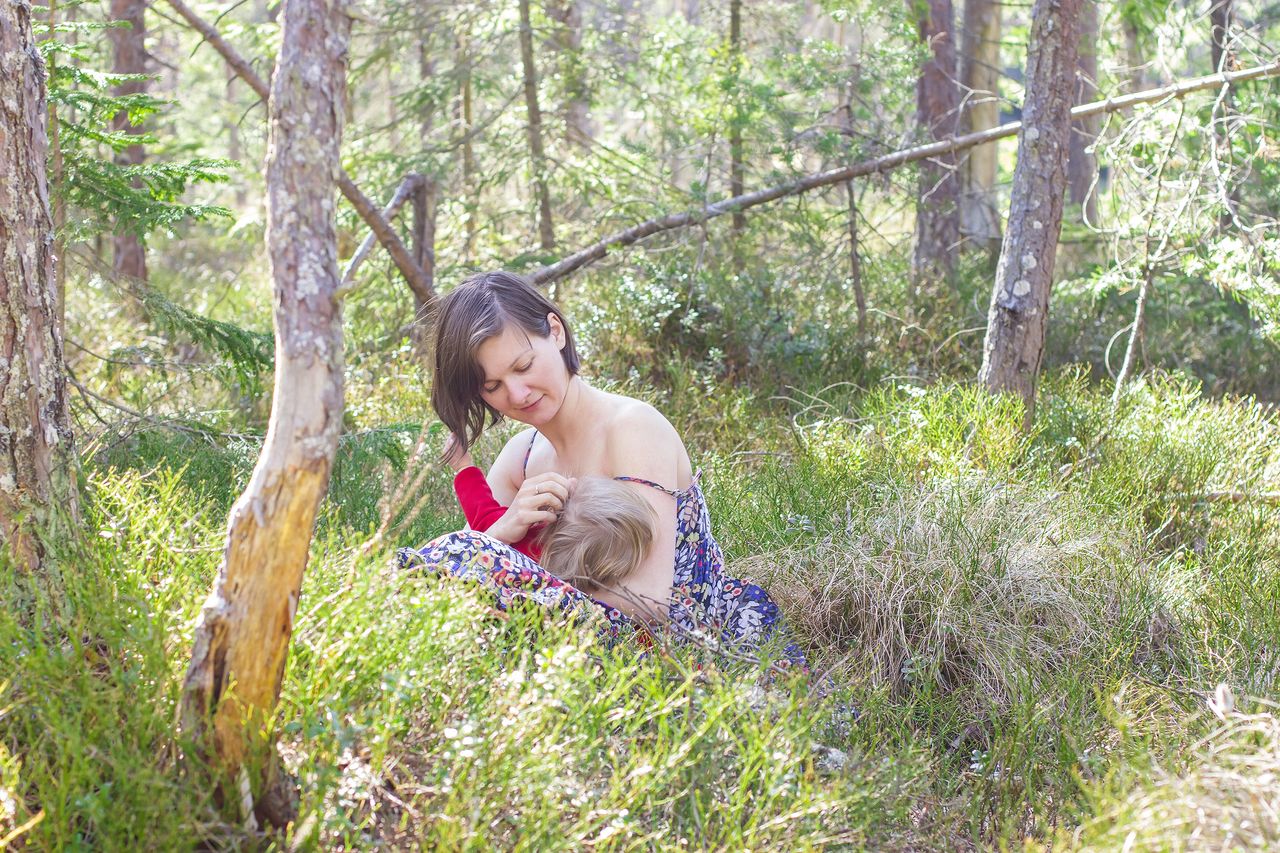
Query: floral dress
[705,601]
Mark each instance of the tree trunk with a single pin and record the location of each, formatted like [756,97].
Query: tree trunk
[58,199]
[577,122]
[1082,164]
[36,454]
[937,114]
[537,158]
[128,44]
[979,75]
[736,170]
[242,637]
[1019,312]
[1220,19]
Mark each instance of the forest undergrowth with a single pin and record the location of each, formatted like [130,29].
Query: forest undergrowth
[1062,639]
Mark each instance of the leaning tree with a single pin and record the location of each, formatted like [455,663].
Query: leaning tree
[1019,314]
[242,637]
[36,454]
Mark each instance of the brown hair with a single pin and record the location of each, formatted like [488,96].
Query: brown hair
[470,314]
[602,535]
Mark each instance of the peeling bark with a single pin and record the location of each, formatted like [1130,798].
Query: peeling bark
[242,637]
[1019,312]
[36,453]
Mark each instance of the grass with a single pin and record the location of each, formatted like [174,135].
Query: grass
[1033,629]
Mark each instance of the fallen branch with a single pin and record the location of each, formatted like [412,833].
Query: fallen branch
[636,233]
[411,182]
[386,235]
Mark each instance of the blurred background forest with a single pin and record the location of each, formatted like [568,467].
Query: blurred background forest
[1061,636]
[649,110]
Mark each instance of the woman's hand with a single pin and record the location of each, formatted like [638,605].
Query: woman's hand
[539,501]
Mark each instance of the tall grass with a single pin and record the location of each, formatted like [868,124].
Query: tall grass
[1030,628]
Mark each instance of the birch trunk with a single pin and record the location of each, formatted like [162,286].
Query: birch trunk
[979,75]
[937,230]
[36,453]
[1019,312]
[242,637]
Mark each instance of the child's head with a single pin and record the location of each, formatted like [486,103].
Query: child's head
[602,535]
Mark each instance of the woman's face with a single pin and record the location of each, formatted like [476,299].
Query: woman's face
[524,374]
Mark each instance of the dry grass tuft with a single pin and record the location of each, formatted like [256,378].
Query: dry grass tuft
[974,589]
[1228,799]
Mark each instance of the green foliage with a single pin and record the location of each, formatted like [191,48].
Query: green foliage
[105,195]
[995,617]
[246,354]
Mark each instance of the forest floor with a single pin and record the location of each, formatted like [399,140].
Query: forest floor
[1061,640]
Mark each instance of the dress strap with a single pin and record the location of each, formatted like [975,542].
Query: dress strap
[529,452]
[673,492]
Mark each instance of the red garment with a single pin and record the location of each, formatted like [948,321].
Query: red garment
[482,509]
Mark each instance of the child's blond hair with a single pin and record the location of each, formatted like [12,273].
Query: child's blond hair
[601,536]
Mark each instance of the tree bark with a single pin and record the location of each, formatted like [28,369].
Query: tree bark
[979,76]
[1082,164]
[59,204]
[1220,20]
[242,636]
[128,45]
[885,163]
[36,453]
[937,231]
[537,156]
[1019,312]
[577,121]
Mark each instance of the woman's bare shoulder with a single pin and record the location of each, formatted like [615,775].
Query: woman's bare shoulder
[640,439]
[632,416]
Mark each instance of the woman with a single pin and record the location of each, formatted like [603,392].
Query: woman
[503,350]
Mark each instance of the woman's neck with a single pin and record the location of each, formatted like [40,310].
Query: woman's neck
[577,420]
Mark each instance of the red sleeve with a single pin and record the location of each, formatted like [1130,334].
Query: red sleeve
[482,509]
[476,498]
